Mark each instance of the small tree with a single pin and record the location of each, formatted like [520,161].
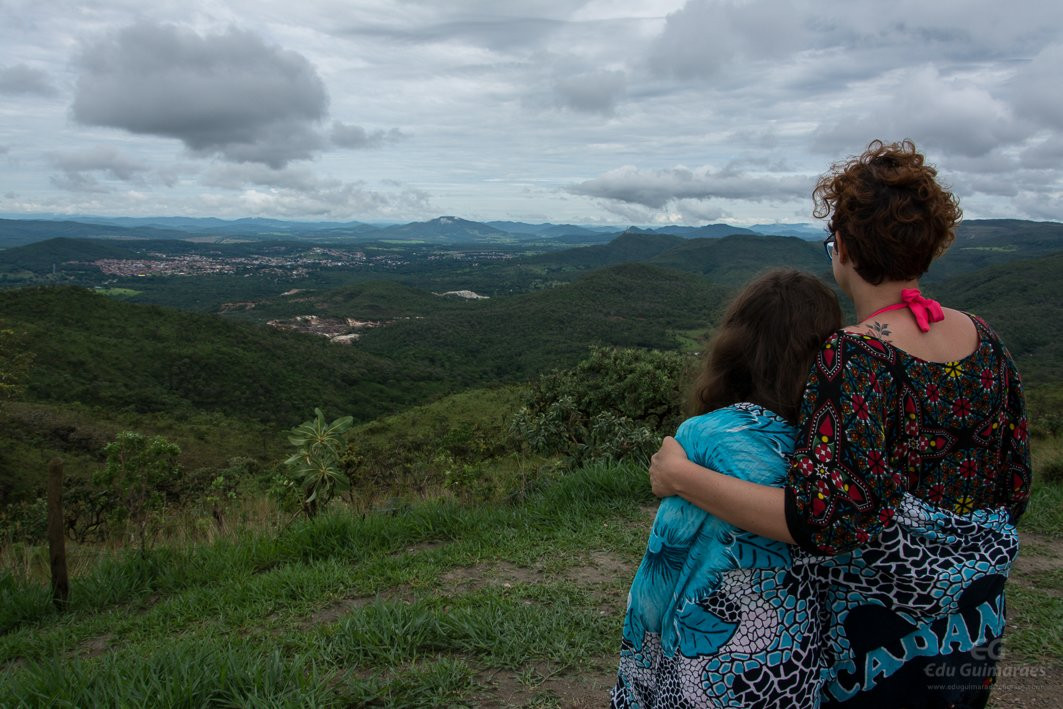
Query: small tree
[138,471]
[317,464]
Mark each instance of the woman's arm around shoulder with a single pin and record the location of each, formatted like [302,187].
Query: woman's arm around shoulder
[751,506]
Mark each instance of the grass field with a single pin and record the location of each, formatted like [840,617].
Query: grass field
[436,604]
[440,605]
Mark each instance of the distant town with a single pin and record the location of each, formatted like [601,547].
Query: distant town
[158,264]
[289,265]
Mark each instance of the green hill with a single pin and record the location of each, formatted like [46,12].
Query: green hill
[691,232]
[77,254]
[370,300]
[98,351]
[1023,302]
[514,337]
[629,246]
[124,356]
[40,257]
[444,230]
[989,242]
[732,260]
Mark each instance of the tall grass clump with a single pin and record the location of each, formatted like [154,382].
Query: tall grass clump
[21,602]
[178,673]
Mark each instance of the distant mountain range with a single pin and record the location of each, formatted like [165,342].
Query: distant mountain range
[441,230]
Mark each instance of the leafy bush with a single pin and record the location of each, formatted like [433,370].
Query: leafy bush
[141,476]
[458,445]
[613,405]
[25,521]
[86,510]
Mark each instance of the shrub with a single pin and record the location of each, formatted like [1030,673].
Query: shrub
[15,361]
[1046,425]
[25,522]
[141,476]
[613,405]
[1051,471]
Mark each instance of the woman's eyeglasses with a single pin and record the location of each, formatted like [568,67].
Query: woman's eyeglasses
[828,246]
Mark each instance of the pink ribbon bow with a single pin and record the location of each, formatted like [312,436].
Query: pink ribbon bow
[924,310]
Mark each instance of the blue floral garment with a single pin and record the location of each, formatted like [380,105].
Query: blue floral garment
[717,616]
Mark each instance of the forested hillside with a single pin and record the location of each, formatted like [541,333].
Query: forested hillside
[95,350]
[514,338]
[1023,302]
[17,232]
[100,351]
[454,471]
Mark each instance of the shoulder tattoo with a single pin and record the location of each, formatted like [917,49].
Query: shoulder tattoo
[879,329]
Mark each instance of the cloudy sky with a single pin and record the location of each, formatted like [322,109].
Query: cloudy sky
[603,111]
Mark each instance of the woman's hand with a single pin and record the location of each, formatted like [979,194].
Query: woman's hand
[665,467]
[757,508]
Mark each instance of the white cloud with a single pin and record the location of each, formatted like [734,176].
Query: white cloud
[705,36]
[1043,154]
[499,96]
[102,159]
[82,170]
[1033,90]
[956,115]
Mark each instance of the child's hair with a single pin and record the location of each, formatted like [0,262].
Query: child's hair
[765,345]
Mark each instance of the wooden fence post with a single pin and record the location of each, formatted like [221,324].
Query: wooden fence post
[56,535]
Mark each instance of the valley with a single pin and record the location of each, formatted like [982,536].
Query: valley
[448,531]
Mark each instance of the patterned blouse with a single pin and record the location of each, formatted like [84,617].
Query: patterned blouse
[878,422]
[906,483]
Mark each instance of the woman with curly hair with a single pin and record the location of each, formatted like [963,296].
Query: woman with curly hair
[911,465]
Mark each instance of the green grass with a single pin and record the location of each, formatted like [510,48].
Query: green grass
[693,339]
[1035,625]
[409,609]
[183,671]
[1045,513]
[424,605]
